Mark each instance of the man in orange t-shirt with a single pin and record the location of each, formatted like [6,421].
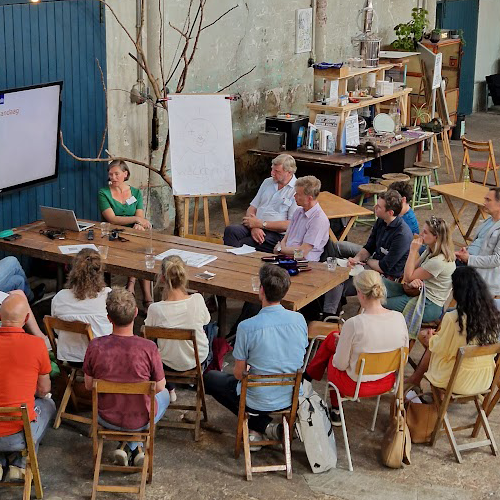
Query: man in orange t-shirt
[24,378]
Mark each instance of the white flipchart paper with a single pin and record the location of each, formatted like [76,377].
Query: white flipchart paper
[201,144]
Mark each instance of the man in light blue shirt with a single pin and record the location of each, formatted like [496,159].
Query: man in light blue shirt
[407,213]
[273,341]
[268,216]
[484,252]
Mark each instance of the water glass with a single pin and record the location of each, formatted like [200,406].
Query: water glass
[103,251]
[298,254]
[255,283]
[150,261]
[105,227]
[331,263]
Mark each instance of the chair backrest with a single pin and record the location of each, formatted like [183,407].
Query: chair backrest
[146,388]
[484,146]
[382,362]
[78,327]
[277,379]
[156,332]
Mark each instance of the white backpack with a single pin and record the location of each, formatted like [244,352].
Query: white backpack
[315,430]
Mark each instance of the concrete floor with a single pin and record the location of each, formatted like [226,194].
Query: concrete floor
[207,469]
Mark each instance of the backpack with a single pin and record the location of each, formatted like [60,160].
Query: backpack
[315,430]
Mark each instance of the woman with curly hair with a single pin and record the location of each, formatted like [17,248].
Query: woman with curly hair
[476,321]
[83,300]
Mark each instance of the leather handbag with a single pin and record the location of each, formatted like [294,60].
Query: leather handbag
[396,444]
[421,418]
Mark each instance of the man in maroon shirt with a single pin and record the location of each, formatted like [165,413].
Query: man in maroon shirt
[124,357]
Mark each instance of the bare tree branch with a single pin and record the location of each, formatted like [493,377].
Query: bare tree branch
[219,18]
[118,20]
[237,79]
[160,48]
[105,131]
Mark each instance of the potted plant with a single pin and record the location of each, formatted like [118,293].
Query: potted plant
[410,33]
[420,114]
[435,35]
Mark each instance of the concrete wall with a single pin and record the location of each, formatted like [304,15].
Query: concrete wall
[257,33]
[488,49]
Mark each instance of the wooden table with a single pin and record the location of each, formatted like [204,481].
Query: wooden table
[474,194]
[233,272]
[336,207]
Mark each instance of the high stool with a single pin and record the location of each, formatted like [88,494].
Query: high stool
[421,176]
[434,168]
[369,189]
[395,177]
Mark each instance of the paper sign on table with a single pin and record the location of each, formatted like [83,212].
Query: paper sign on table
[243,250]
[192,259]
[69,249]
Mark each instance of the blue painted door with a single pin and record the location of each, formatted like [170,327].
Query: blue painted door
[462,14]
[51,41]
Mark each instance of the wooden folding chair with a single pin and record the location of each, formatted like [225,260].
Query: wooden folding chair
[484,166]
[69,370]
[317,331]
[444,398]
[287,418]
[32,473]
[101,434]
[370,364]
[189,377]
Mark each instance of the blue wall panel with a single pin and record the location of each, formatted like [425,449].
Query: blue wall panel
[46,42]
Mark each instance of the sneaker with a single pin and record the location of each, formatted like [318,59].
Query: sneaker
[274,432]
[137,457]
[255,436]
[173,396]
[38,293]
[335,417]
[122,454]
[15,473]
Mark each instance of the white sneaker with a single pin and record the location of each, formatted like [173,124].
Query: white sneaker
[173,396]
[121,455]
[255,436]
[15,474]
[274,432]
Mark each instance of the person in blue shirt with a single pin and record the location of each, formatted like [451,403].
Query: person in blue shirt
[407,213]
[273,341]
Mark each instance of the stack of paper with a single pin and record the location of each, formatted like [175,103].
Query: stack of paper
[69,249]
[241,250]
[358,268]
[190,258]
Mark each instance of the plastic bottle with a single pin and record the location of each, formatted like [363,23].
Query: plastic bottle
[393,112]
[398,121]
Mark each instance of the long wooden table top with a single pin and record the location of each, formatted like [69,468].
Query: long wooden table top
[233,272]
[473,193]
[335,207]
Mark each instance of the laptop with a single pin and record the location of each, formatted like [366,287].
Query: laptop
[60,218]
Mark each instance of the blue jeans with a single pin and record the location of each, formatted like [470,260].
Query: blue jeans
[162,400]
[45,409]
[12,277]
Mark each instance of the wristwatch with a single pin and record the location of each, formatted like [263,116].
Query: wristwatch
[264,224]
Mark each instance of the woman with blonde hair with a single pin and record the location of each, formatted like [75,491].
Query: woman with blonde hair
[376,329]
[431,270]
[84,300]
[178,309]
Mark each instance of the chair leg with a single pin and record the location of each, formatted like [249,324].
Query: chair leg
[198,413]
[28,478]
[428,191]
[287,448]
[375,413]
[97,468]
[486,426]
[414,197]
[451,438]
[64,402]
[344,431]
[144,472]
[246,450]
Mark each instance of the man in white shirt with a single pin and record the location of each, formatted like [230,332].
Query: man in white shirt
[268,216]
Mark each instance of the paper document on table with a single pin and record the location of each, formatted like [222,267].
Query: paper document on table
[192,259]
[358,268]
[241,250]
[69,249]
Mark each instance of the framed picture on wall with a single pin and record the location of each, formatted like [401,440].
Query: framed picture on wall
[303,30]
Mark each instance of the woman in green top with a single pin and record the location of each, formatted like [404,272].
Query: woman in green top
[122,205]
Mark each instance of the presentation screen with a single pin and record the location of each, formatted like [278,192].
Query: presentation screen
[29,131]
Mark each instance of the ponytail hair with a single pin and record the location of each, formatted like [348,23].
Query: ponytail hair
[173,275]
[370,284]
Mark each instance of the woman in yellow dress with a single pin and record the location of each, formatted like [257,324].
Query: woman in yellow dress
[475,321]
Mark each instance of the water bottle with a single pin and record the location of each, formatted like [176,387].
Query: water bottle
[466,177]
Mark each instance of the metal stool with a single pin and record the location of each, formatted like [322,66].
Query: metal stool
[395,177]
[421,176]
[369,189]
[434,168]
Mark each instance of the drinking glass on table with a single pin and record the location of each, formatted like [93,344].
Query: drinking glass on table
[298,254]
[150,261]
[255,283]
[103,251]
[331,263]
[105,227]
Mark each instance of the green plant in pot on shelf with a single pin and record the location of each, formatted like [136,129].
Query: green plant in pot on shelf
[435,35]
[420,114]
[410,33]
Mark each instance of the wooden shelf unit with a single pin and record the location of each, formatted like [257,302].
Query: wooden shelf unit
[345,111]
